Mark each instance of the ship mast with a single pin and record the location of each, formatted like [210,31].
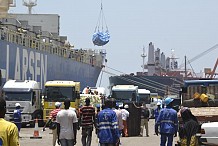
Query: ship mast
[143,55]
[174,64]
[30,4]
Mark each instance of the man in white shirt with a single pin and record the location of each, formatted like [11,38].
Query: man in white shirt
[125,115]
[119,117]
[67,125]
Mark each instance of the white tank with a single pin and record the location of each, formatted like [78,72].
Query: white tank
[4,7]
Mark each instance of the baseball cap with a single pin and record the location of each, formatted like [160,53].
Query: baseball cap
[158,103]
[57,104]
[17,104]
[126,106]
[168,100]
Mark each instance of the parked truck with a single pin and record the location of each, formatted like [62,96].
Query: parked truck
[201,96]
[27,94]
[58,91]
[125,93]
[144,96]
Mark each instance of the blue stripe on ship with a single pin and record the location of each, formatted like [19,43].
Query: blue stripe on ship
[19,62]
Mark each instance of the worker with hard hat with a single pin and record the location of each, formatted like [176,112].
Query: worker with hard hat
[17,116]
[157,111]
[167,122]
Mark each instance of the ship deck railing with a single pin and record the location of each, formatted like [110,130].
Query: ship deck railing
[88,56]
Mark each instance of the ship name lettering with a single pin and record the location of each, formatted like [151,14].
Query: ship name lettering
[30,65]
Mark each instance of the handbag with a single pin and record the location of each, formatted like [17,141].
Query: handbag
[52,125]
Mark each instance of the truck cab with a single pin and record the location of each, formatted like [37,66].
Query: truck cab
[58,91]
[144,96]
[125,93]
[27,94]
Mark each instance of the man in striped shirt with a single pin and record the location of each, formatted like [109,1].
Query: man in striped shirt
[87,115]
[52,118]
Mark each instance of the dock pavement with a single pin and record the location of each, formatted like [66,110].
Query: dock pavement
[46,140]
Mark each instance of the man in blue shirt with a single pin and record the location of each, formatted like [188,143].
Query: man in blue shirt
[17,116]
[107,125]
[168,123]
[157,111]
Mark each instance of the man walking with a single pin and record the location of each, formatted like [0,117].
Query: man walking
[108,132]
[125,115]
[87,115]
[119,117]
[52,118]
[8,131]
[157,111]
[67,125]
[144,120]
[17,117]
[168,122]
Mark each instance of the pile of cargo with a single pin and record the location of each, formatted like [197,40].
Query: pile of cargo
[94,99]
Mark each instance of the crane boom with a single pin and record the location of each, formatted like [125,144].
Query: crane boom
[214,69]
[201,54]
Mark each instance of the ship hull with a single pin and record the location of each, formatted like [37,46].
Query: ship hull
[162,85]
[21,63]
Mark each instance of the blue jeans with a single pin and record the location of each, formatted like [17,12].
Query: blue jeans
[86,136]
[166,138]
[66,142]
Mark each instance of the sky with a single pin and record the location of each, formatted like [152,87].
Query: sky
[187,27]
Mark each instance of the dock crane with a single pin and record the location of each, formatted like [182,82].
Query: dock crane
[200,55]
[212,73]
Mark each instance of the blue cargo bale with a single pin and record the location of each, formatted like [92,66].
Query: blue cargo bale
[101,38]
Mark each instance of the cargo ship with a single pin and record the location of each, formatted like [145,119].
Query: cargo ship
[160,74]
[32,48]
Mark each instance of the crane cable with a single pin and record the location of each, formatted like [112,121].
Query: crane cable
[101,20]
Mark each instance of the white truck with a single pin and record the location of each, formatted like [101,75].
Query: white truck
[125,93]
[27,94]
[144,96]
